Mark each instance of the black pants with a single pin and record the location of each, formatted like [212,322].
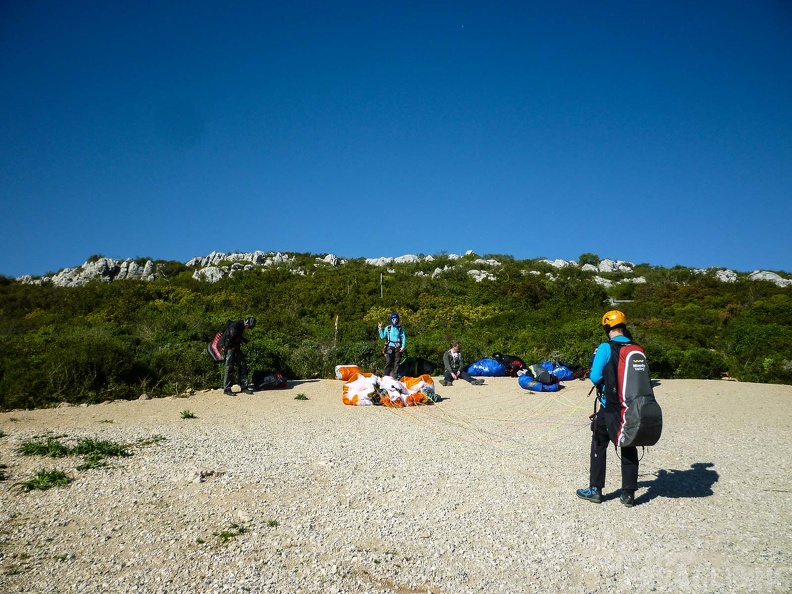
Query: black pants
[234,357]
[605,427]
[462,375]
[392,358]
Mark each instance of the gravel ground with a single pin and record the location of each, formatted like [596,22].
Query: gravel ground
[267,493]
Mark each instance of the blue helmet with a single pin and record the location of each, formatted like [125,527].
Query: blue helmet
[394,316]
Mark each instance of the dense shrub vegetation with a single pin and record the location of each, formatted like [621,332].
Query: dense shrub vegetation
[120,339]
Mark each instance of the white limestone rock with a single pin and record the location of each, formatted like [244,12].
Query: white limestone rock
[482,262]
[210,274]
[772,277]
[724,275]
[604,282]
[480,275]
[559,263]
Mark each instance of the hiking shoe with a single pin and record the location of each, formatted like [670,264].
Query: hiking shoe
[477,382]
[627,498]
[445,382]
[593,494]
[248,390]
[228,392]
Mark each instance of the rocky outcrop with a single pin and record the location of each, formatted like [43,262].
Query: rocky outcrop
[219,265]
[480,275]
[559,263]
[257,258]
[763,275]
[331,259]
[102,269]
[724,275]
[210,274]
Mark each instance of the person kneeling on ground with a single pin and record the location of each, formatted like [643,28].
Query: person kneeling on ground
[453,367]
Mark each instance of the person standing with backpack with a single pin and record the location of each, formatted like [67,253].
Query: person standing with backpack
[606,422]
[395,342]
[232,341]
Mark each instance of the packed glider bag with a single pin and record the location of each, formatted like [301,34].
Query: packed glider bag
[487,368]
[510,363]
[641,417]
[561,371]
[415,367]
[542,374]
[216,351]
[269,380]
[529,382]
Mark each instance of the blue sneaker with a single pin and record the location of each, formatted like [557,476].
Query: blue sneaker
[627,498]
[593,494]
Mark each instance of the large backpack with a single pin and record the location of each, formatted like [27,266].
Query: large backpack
[510,363]
[269,380]
[542,375]
[640,416]
[215,347]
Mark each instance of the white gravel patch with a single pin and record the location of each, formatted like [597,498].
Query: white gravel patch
[474,494]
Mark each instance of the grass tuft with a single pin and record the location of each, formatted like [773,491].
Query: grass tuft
[104,448]
[93,451]
[232,532]
[188,414]
[51,448]
[301,397]
[151,440]
[44,479]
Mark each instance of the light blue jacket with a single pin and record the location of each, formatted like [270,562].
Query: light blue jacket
[601,359]
[393,334]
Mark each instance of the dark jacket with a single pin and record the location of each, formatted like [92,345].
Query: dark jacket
[450,364]
[234,337]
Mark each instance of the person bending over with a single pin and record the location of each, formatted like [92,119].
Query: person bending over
[232,340]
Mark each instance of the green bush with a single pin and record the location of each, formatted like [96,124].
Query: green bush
[106,341]
[701,364]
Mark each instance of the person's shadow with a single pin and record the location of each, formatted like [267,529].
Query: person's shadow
[696,481]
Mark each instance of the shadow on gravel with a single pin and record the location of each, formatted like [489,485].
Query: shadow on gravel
[696,481]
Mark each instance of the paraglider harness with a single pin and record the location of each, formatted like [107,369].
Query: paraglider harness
[390,347]
[593,418]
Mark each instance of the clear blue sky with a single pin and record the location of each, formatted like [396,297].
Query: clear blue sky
[656,132]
